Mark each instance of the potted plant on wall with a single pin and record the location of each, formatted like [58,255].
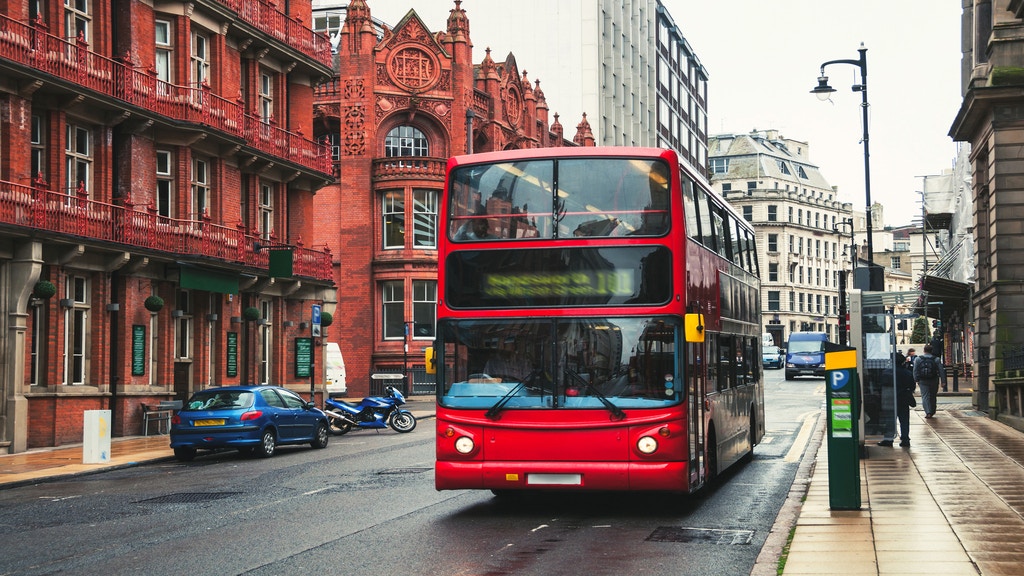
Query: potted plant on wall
[44,289]
[326,319]
[251,313]
[154,303]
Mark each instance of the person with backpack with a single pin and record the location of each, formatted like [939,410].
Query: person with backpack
[927,372]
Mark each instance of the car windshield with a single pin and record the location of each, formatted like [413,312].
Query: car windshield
[771,350]
[805,346]
[220,400]
[603,363]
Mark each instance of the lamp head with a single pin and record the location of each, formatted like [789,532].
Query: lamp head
[823,91]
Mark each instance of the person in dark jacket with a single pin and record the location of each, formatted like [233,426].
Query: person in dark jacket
[928,379]
[904,401]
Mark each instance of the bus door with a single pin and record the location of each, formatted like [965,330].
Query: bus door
[695,387]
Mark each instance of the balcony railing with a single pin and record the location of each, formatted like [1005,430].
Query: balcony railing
[73,61]
[35,208]
[409,167]
[279,25]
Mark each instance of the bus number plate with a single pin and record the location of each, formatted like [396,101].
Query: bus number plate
[559,479]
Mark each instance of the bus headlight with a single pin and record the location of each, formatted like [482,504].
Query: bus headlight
[647,445]
[464,445]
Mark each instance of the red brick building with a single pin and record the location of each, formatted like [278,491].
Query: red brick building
[149,154]
[399,106]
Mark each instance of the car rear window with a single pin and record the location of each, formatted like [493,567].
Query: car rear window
[214,400]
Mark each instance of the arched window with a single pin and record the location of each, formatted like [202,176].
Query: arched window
[405,141]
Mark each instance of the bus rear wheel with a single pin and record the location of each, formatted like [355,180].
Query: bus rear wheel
[711,459]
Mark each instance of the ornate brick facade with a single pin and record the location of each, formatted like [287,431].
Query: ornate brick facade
[398,107]
[152,149]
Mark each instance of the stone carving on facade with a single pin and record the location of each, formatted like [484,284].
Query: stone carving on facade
[354,89]
[512,103]
[439,110]
[352,127]
[413,68]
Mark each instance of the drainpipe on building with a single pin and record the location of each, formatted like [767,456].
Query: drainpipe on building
[469,130]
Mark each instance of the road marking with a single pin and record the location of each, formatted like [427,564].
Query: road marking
[802,438]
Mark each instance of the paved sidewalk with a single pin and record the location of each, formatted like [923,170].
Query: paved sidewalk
[951,504]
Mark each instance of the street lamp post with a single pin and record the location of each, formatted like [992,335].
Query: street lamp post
[842,312]
[823,91]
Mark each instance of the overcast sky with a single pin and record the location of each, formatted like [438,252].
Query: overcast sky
[763,57]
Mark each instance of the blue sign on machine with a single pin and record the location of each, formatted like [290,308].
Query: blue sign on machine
[315,320]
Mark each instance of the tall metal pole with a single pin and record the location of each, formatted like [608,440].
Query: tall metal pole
[867,154]
[823,91]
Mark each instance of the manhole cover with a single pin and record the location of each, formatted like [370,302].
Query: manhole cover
[709,535]
[190,497]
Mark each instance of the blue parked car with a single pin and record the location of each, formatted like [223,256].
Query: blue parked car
[250,419]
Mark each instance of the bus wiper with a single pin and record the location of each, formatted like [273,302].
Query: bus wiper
[615,410]
[493,412]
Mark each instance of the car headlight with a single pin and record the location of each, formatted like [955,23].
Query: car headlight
[646,445]
[464,445]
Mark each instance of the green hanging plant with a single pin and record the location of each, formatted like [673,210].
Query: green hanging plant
[44,289]
[251,313]
[326,319]
[154,303]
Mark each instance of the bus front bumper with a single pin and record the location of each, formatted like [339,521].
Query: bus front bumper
[633,476]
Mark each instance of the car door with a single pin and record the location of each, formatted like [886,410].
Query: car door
[304,421]
[281,415]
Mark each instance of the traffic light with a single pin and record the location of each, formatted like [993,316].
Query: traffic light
[902,325]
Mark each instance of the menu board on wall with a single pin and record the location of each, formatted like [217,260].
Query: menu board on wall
[303,357]
[138,350]
[232,360]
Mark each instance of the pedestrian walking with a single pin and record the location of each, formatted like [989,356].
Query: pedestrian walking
[927,372]
[904,402]
[911,356]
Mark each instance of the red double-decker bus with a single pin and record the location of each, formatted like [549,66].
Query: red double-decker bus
[598,324]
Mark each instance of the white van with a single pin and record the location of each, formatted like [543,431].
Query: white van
[334,370]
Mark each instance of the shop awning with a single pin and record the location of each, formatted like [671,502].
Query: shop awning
[951,293]
[208,279]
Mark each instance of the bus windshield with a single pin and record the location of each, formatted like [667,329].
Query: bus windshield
[559,198]
[561,363]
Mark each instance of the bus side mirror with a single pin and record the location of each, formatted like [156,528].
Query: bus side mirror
[693,325]
[430,360]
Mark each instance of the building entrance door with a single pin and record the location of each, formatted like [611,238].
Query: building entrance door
[182,380]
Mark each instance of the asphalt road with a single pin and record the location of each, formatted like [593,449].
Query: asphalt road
[366,505]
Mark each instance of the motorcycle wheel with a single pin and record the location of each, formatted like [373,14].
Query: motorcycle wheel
[339,427]
[403,422]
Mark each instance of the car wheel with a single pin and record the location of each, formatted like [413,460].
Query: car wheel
[184,454]
[322,436]
[268,445]
[403,422]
